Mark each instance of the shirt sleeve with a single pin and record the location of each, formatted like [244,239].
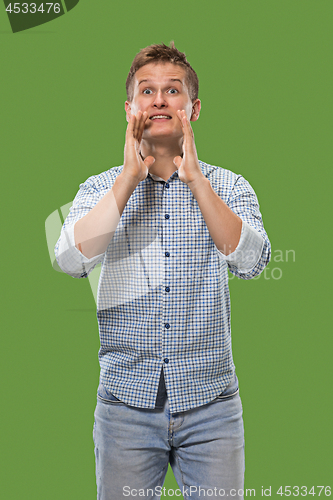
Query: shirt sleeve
[248,252]
[69,258]
[253,251]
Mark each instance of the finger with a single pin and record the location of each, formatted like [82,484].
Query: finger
[177,161]
[142,124]
[180,117]
[139,117]
[149,161]
[184,121]
[136,124]
[130,128]
[188,131]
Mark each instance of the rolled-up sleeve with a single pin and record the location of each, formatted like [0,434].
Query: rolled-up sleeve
[69,258]
[248,252]
[253,251]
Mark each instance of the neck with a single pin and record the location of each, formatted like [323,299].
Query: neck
[164,155]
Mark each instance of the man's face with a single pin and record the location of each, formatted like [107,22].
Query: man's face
[160,89]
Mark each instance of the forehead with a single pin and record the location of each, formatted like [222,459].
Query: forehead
[160,73]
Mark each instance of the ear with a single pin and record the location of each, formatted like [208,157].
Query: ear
[196,106]
[128,110]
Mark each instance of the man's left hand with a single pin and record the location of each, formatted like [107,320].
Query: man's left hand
[188,167]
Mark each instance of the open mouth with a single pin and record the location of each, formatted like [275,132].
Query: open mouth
[160,117]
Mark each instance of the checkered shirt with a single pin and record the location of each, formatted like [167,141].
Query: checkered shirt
[163,296]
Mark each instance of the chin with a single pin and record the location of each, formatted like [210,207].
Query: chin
[171,134]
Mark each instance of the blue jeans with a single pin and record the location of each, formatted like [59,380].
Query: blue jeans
[204,446]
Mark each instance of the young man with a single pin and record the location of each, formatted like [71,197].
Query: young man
[166,227]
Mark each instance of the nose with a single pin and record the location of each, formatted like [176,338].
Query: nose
[159,100]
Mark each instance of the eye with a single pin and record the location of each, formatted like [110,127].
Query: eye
[173,91]
[147,91]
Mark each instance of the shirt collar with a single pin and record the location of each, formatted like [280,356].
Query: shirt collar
[156,177]
[159,179]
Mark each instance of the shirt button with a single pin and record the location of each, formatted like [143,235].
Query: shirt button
[167,185]
[166,360]
[167,216]
[167,289]
[167,254]
[167,326]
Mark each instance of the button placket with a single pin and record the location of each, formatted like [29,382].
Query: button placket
[167,264]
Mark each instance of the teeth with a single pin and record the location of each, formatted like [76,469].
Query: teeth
[159,116]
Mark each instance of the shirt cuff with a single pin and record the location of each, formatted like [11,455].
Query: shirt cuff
[70,259]
[248,251]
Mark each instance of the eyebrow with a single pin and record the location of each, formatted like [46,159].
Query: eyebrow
[170,80]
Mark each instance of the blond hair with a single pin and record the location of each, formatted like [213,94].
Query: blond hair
[162,53]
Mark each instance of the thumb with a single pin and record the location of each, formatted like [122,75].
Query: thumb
[149,161]
[177,161]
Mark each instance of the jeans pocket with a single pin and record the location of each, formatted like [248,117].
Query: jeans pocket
[230,391]
[107,397]
[224,397]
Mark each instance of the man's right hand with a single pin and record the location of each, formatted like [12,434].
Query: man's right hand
[135,167]
[94,231]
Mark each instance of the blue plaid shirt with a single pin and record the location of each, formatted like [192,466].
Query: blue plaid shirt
[163,296]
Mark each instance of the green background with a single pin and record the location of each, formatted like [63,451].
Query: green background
[265,71]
